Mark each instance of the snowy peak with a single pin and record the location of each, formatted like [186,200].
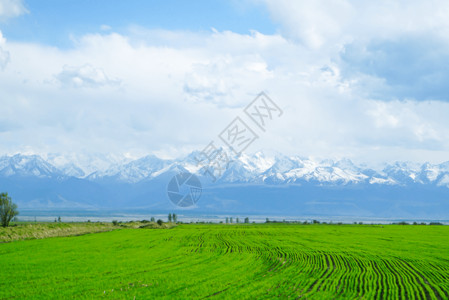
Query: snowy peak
[27,165]
[401,172]
[81,164]
[73,170]
[257,168]
[133,171]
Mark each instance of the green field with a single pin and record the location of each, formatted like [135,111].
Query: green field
[249,261]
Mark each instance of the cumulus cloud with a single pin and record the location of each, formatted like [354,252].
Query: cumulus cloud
[409,67]
[203,84]
[84,76]
[326,22]
[179,90]
[313,23]
[388,49]
[11,9]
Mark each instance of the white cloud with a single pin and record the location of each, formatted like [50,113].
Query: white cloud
[314,23]
[329,22]
[388,49]
[178,90]
[203,84]
[11,9]
[4,58]
[4,55]
[84,76]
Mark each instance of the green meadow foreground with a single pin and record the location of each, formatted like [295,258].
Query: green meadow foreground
[249,261]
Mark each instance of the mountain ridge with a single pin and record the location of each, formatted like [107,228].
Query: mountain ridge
[256,168]
[258,183]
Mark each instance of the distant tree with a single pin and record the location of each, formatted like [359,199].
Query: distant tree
[169,217]
[152,219]
[8,209]
[316,222]
[246,220]
[267,220]
[402,223]
[230,219]
[55,220]
[227,220]
[237,220]
[114,222]
[59,219]
[160,222]
[175,218]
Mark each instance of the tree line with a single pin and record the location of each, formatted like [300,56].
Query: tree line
[9,210]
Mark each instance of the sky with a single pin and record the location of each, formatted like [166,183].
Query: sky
[364,80]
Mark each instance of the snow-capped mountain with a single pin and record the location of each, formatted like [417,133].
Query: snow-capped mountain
[27,165]
[134,171]
[257,168]
[434,173]
[72,170]
[251,183]
[81,164]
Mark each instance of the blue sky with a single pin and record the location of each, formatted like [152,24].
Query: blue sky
[366,80]
[54,22]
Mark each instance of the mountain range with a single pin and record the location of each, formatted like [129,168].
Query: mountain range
[255,183]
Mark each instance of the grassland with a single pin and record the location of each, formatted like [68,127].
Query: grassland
[246,261]
[41,230]
[31,230]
